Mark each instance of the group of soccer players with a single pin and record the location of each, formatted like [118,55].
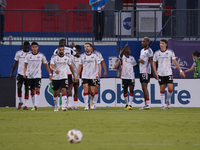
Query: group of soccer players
[67,64]
[148,60]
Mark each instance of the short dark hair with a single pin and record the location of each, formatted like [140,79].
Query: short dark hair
[78,47]
[89,44]
[196,53]
[164,40]
[26,43]
[146,39]
[34,43]
[60,45]
[61,42]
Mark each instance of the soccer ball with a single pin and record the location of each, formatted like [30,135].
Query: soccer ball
[74,136]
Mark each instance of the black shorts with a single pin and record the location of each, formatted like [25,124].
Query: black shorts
[128,82]
[70,80]
[21,80]
[57,84]
[144,78]
[165,79]
[90,82]
[98,81]
[34,83]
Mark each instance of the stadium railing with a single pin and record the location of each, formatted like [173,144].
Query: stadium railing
[76,25]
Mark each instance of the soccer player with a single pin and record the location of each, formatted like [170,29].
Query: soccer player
[75,62]
[146,61]
[68,51]
[32,71]
[128,75]
[19,60]
[196,65]
[164,57]
[93,100]
[88,63]
[59,64]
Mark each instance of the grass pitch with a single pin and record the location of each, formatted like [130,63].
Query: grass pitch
[106,128]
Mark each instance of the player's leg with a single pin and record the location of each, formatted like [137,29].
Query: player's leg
[56,93]
[85,84]
[26,94]
[170,90]
[76,85]
[95,98]
[125,91]
[144,80]
[69,92]
[162,82]
[92,86]
[64,98]
[37,92]
[131,86]
[64,86]
[31,87]
[19,90]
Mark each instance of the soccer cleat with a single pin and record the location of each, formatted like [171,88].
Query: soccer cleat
[86,108]
[129,107]
[168,105]
[56,109]
[33,109]
[147,107]
[91,104]
[162,108]
[19,105]
[93,107]
[36,108]
[64,109]
[25,108]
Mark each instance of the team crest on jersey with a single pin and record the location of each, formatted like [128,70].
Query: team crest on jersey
[38,57]
[57,58]
[30,56]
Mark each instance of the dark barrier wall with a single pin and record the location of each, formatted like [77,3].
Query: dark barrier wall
[7,53]
[7,92]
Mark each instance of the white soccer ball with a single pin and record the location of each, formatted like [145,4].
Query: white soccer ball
[74,136]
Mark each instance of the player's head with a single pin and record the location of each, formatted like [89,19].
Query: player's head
[145,42]
[163,43]
[34,47]
[62,42]
[195,54]
[88,47]
[61,49]
[78,48]
[26,46]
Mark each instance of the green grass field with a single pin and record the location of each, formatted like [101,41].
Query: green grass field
[109,128]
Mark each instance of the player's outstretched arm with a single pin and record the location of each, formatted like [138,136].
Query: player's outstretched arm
[13,68]
[105,68]
[191,69]
[48,70]
[179,68]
